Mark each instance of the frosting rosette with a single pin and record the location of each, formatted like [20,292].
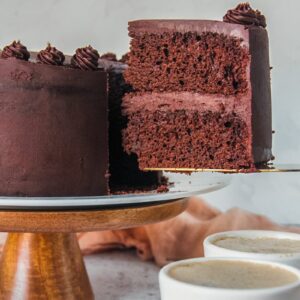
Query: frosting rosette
[109,56]
[51,56]
[17,50]
[124,58]
[243,14]
[85,58]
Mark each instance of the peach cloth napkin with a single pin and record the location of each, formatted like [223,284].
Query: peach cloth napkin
[177,238]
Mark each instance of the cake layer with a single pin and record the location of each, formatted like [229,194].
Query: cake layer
[53,128]
[183,55]
[188,130]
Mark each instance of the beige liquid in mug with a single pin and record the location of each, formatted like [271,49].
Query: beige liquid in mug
[233,274]
[259,245]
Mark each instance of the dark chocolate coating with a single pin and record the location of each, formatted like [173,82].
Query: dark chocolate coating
[256,101]
[261,94]
[53,129]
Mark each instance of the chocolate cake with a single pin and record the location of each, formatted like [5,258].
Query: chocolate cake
[201,94]
[123,168]
[53,123]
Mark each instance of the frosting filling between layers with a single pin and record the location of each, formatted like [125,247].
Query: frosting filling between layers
[171,101]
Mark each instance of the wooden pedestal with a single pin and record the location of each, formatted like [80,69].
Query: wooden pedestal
[47,263]
[43,266]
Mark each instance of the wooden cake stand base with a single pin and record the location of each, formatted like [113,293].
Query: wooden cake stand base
[41,258]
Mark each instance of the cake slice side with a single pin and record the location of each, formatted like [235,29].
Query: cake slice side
[195,65]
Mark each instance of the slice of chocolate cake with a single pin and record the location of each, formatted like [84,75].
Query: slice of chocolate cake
[201,93]
[123,168]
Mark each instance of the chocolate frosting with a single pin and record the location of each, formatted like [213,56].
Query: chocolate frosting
[124,58]
[54,130]
[243,14]
[109,56]
[17,50]
[85,58]
[51,56]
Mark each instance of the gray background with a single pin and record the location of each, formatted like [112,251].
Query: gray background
[69,24]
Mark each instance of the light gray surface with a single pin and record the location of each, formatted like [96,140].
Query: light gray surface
[121,275]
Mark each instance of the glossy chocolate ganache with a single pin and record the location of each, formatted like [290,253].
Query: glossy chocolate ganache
[53,123]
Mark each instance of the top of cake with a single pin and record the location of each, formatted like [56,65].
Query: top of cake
[86,58]
[243,14]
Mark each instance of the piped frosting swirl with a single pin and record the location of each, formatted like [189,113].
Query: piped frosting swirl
[124,58]
[109,56]
[85,58]
[17,50]
[51,56]
[243,14]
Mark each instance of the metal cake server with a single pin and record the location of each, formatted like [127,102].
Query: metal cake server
[270,168]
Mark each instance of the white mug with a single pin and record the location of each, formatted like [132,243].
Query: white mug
[212,250]
[173,289]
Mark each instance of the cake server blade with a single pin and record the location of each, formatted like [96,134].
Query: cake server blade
[270,168]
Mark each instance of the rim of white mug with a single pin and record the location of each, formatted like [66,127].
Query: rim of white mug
[164,275]
[209,242]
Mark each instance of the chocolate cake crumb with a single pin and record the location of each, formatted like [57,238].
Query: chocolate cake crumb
[208,62]
[188,139]
[162,189]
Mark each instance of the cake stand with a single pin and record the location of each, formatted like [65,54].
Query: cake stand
[41,258]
